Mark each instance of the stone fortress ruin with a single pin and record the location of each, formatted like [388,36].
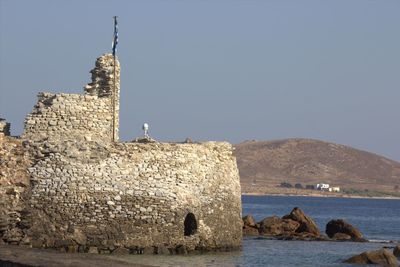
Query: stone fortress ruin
[65,184]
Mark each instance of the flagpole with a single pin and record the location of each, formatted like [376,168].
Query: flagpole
[114,87]
[113,106]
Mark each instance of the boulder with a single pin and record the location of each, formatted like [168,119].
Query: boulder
[340,226]
[249,226]
[252,231]
[72,249]
[341,236]
[276,226]
[306,223]
[93,250]
[382,257]
[248,220]
[181,249]
[396,251]
[161,250]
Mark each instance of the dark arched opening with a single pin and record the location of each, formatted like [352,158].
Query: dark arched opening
[190,224]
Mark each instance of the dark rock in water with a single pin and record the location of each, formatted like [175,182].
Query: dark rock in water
[306,223]
[181,249]
[162,250]
[341,236]
[148,250]
[294,226]
[250,227]
[299,226]
[276,226]
[72,249]
[142,250]
[396,251]
[248,220]
[340,226]
[251,231]
[382,257]
[120,251]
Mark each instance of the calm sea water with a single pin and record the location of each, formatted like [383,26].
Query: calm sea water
[378,220]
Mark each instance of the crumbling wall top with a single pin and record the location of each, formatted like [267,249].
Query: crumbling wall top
[103,76]
[4,127]
[93,115]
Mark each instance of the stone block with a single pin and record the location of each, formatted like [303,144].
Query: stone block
[120,251]
[93,250]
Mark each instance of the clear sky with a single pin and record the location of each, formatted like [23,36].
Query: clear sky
[217,70]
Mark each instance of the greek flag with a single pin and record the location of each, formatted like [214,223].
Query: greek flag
[115,39]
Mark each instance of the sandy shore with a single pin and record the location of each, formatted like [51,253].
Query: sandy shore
[12,255]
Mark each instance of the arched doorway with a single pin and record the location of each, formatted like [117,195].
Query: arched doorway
[190,224]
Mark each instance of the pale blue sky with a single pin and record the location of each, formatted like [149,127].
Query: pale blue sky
[217,70]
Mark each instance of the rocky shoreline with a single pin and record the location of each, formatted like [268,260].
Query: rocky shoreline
[298,226]
[294,226]
[383,257]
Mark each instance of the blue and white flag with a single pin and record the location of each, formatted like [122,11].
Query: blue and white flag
[115,39]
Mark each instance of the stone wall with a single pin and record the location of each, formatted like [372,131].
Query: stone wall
[90,195]
[88,116]
[4,127]
[69,116]
[14,189]
[106,83]
[68,186]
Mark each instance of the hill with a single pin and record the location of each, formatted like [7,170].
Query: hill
[266,164]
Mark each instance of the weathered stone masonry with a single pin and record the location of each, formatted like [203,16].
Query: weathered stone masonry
[14,183]
[90,194]
[77,116]
[58,115]
[136,195]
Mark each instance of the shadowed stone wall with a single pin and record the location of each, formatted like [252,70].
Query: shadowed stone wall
[14,187]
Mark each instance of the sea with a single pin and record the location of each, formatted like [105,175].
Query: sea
[377,219]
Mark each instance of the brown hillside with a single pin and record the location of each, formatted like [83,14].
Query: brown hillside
[306,161]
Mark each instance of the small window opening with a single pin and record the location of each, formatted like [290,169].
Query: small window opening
[190,224]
